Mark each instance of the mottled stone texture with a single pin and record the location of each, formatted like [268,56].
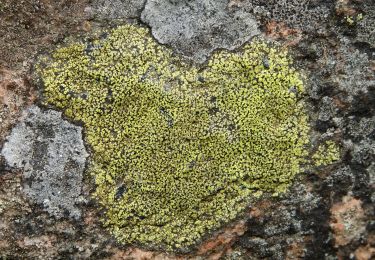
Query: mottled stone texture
[116,9]
[195,28]
[327,214]
[16,93]
[28,27]
[306,15]
[51,153]
[366,28]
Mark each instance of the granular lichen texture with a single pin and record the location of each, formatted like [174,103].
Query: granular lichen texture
[178,151]
[327,153]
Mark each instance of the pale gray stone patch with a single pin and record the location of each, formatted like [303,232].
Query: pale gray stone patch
[52,155]
[196,28]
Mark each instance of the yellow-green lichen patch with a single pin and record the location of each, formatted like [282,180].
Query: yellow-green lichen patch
[177,150]
[327,153]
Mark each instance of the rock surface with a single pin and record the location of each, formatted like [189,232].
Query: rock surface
[16,93]
[52,155]
[116,9]
[329,211]
[196,28]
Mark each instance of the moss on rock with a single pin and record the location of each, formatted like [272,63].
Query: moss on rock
[178,150]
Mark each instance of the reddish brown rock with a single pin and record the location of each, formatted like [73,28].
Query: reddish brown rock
[28,27]
[16,93]
[220,244]
[347,220]
[365,253]
[344,7]
[280,31]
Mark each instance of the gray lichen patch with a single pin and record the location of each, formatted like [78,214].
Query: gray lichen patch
[305,15]
[52,154]
[366,27]
[357,75]
[196,28]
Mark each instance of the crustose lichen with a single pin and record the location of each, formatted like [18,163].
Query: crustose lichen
[327,153]
[176,150]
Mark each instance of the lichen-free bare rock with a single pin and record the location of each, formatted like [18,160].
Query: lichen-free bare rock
[52,155]
[117,9]
[196,28]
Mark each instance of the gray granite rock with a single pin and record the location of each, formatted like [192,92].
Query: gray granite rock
[196,28]
[366,27]
[52,155]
